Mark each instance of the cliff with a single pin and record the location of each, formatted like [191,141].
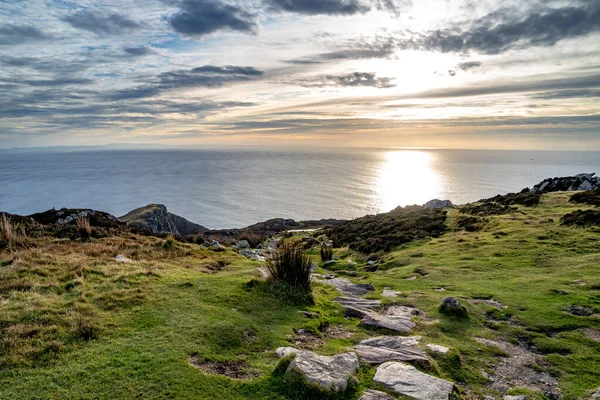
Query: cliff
[156,219]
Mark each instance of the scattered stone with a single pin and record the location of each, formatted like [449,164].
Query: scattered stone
[242,244]
[347,287]
[412,278]
[585,181]
[365,304]
[439,289]
[122,258]
[408,381]
[402,311]
[452,306]
[390,348]
[489,302]
[579,310]
[330,373]
[514,398]
[436,203]
[596,394]
[387,292]
[375,395]
[395,323]
[436,348]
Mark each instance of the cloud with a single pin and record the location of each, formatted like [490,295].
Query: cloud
[209,76]
[503,30]
[363,48]
[58,82]
[202,17]
[568,94]
[348,80]
[139,51]
[101,24]
[320,7]
[19,34]
[469,65]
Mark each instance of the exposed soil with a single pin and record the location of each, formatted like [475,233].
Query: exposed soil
[337,332]
[307,340]
[489,302]
[582,218]
[515,370]
[593,334]
[591,197]
[231,369]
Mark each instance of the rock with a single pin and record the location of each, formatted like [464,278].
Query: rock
[242,244]
[436,203]
[330,262]
[580,310]
[122,258]
[330,373]
[273,244]
[402,311]
[387,292]
[365,304]
[436,348]
[347,287]
[399,324]
[585,181]
[452,306]
[596,394]
[155,218]
[407,381]
[390,348]
[246,253]
[514,398]
[375,395]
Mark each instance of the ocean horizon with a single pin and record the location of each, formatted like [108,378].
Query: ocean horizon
[234,188]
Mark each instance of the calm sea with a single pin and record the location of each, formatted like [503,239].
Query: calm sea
[225,189]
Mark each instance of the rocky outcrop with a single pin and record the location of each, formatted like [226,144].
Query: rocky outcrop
[329,373]
[408,381]
[68,216]
[155,218]
[436,203]
[345,286]
[277,225]
[585,181]
[375,395]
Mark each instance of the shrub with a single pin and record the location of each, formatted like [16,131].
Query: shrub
[170,243]
[84,228]
[7,231]
[290,264]
[254,239]
[326,252]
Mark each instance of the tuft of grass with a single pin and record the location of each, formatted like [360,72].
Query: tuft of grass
[326,252]
[290,264]
[170,243]
[10,235]
[83,228]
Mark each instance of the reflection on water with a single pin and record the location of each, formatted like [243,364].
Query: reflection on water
[406,177]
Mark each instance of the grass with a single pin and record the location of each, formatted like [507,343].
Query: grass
[290,265]
[326,253]
[76,324]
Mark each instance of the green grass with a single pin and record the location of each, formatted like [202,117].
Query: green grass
[75,324]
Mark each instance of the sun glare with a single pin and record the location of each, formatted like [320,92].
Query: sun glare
[406,177]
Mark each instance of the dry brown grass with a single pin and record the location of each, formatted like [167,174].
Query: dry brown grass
[11,235]
[84,228]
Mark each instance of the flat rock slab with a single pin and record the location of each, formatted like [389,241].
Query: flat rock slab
[408,381]
[123,259]
[401,311]
[330,373]
[389,293]
[375,395]
[366,304]
[390,348]
[436,348]
[398,324]
[348,288]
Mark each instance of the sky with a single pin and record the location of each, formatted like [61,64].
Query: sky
[325,73]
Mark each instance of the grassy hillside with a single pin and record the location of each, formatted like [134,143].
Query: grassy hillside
[185,322]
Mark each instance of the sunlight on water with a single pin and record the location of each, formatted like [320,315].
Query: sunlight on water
[406,177]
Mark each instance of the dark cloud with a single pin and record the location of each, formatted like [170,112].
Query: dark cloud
[202,17]
[568,94]
[469,65]
[451,72]
[139,51]
[347,80]
[19,34]
[321,7]
[99,23]
[208,76]
[58,82]
[358,49]
[503,30]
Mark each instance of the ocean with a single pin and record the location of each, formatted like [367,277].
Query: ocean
[236,188]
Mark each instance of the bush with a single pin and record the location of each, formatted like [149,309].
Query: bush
[170,243]
[290,264]
[326,253]
[84,228]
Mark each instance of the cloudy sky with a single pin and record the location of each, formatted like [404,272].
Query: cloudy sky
[430,73]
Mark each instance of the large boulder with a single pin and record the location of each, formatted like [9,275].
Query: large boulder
[394,323]
[155,219]
[329,373]
[436,203]
[408,381]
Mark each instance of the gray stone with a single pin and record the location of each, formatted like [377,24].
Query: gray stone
[436,348]
[355,302]
[514,398]
[375,395]
[390,348]
[122,258]
[436,203]
[389,293]
[242,244]
[596,394]
[401,311]
[408,381]
[452,306]
[347,287]
[330,373]
[398,324]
